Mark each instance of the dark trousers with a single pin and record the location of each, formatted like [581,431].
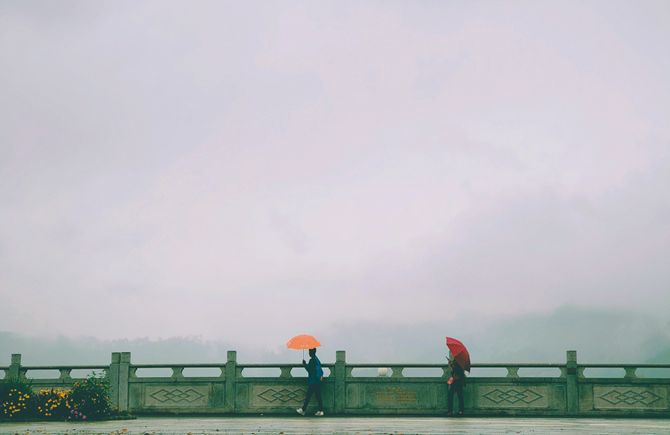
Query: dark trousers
[455,388]
[316,390]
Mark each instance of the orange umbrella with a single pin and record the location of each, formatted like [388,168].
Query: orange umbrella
[303,342]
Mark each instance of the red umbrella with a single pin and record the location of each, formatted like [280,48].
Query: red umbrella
[459,352]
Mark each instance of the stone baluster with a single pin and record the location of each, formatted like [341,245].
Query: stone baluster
[132,374]
[65,375]
[630,373]
[177,372]
[512,372]
[347,371]
[397,372]
[286,372]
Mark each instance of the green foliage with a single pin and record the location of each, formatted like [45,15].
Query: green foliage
[52,404]
[12,383]
[16,398]
[89,399]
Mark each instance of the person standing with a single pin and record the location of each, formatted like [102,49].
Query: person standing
[315,373]
[456,385]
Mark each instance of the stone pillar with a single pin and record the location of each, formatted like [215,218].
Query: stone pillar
[114,379]
[231,369]
[572,389]
[124,374]
[15,366]
[340,373]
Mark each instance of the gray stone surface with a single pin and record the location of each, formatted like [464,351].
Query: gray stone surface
[352,389]
[346,425]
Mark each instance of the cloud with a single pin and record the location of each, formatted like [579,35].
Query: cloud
[229,171]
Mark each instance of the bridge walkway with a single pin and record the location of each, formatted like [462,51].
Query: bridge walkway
[345,426]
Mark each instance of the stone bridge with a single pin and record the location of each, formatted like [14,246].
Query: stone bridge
[550,390]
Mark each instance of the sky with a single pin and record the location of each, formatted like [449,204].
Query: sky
[250,171]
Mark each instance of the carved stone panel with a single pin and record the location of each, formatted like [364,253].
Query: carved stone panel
[503,396]
[353,395]
[278,395]
[166,396]
[396,396]
[625,397]
[399,396]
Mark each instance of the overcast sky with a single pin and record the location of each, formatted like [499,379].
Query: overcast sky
[250,171]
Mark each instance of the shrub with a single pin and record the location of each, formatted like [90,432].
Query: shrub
[16,398]
[52,404]
[89,399]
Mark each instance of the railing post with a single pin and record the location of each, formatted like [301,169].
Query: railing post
[572,390]
[15,366]
[114,379]
[231,371]
[340,389]
[124,375]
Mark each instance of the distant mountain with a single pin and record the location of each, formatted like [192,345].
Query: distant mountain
[598,335]
[662,358]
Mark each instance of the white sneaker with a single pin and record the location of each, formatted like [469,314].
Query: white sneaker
[300,411]
[319,414]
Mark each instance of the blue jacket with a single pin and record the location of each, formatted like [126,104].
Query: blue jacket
[314,370]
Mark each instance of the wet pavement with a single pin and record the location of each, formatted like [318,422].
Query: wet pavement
[345,425]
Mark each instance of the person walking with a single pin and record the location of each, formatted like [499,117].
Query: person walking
[456,384]
[315,373]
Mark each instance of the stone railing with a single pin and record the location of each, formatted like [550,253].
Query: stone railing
[648,395]
[564,389]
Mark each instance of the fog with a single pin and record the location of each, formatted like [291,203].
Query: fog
[378,174]
[599,336]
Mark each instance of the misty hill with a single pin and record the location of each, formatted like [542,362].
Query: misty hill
[598,335]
